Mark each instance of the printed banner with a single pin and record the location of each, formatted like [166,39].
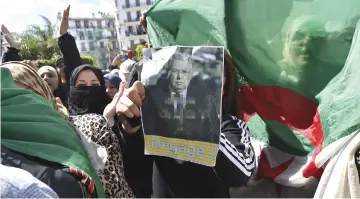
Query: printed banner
[181,113]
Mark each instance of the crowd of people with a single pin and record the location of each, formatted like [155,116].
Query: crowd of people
[72,131]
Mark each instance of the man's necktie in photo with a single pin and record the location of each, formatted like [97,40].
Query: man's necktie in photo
[179,108]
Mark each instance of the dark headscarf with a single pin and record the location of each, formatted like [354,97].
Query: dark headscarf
[113,79]
[61,92]
[87,99]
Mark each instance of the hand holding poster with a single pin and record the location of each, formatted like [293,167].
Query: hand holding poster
[181,112]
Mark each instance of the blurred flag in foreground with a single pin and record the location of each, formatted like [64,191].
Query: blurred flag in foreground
[298,74]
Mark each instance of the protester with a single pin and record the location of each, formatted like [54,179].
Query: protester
[26,77]
[115,63]
[186,179]
[87,101]
[12,53]
[70,60]
[115,72]
[112,83]
[87,91]
[59,64]
[26,120]
[301,63]
[130,55]
[50,76]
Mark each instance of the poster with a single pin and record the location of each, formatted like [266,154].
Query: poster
[181,113]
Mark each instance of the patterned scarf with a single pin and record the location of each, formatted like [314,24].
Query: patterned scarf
[25,76]
[30,125]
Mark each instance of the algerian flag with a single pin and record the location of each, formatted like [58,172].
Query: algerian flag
[298,78]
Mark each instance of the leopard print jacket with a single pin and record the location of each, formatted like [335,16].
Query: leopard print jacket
[112,177]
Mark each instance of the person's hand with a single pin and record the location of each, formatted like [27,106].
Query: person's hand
[4,30]
[110,109]
[116,61]
[58,100]
[9,38]
[130,103]
[64,25]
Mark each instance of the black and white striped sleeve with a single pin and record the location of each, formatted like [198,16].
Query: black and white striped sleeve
[236,160]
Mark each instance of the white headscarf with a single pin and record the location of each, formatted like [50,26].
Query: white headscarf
[48,69]
[115,72]
[303,23]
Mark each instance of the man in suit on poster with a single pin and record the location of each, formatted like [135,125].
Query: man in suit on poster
[180,106]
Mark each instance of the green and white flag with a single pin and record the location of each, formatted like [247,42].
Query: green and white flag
[298,67]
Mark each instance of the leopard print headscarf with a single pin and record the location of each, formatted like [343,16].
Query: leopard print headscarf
[27,77]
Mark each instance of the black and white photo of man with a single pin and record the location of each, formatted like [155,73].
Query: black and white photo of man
[180,105]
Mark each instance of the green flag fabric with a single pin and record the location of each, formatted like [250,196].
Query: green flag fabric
[297,63]
[30,125]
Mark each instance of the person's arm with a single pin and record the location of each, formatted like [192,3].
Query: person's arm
[12,53]
[68,48]
[115,63]
[235,162]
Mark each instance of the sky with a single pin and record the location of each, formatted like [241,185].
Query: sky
[17,15]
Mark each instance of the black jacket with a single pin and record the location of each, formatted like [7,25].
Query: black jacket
[12,54]
[72,60]
[50,173]
[71,56]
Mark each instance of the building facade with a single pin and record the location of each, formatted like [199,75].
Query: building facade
[96,37]
[128,13]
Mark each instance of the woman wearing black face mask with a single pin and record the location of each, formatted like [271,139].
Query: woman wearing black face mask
[87,101]
[87,91]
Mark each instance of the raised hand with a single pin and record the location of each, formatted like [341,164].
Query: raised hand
[9,38]
[130,103]
[4,30]
[116,61]
[64,25]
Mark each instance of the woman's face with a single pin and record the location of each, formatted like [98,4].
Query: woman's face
[51,79]
[306,43]
[61,72]
[87,78]
[111,90]
[300,48]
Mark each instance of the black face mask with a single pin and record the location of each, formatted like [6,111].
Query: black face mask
[87,99]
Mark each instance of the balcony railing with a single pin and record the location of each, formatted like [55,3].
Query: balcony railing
[135,33]
[133,5]
[111,37]
[132,19]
